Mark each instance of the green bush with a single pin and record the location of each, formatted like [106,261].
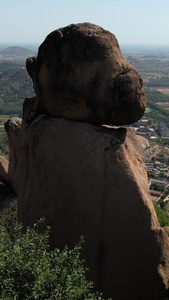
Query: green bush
[29,270]
[162,215]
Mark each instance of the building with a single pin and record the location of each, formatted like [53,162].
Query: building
[151,132]
[142,129]
[142,122]
[161,183]
[163,130]
[155,195]
[157,164]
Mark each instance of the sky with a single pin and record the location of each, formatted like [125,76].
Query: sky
[143,22]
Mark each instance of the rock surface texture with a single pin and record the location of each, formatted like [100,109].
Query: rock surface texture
[12,126]
[80,74]
[87,179]
[4,164]
[6,192]
[91,180]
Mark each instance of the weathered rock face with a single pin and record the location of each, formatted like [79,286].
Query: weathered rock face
[87,179]
[91,180]
[4,164]
[80,74]
[6,192]
[6,196]
[12,126]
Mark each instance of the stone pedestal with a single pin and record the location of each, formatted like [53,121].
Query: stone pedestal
[91,180]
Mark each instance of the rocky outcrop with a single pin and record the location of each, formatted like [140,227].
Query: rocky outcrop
[6,195]
[12,126]
[6,192]
[80,74]
[4,164]
[91,180]
[88,179]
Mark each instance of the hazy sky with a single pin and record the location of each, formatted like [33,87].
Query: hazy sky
[132,21]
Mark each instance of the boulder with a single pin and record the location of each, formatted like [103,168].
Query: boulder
[4,164]
[12,126]
[7,196]
[91,180]
[81,74]
[6,192]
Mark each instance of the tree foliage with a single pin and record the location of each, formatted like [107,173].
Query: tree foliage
[156,96]
[158,82]
[29,270]
[162,215]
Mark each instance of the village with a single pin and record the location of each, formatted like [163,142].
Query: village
[157,170]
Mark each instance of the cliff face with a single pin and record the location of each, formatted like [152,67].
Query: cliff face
[91,180]
[88,179]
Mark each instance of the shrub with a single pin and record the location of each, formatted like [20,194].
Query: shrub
[28,270]
[162,215]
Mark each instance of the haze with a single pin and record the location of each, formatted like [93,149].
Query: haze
[132,21]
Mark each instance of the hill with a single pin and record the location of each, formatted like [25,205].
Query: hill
[4,65]
[15,86]
[150,65]
[15,52]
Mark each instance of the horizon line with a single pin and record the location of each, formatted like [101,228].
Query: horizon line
[120,43]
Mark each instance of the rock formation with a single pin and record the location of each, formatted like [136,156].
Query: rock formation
[4,164]
[12,126]
[88,179]
[6,192]
[80,74]
[91,180]
[6,195]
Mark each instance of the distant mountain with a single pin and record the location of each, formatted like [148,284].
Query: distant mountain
[15,52]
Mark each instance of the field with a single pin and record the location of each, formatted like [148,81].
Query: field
[164,90]
[3,118]
[153,66]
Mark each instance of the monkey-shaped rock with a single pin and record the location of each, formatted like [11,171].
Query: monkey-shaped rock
[81,74]
[87,179]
